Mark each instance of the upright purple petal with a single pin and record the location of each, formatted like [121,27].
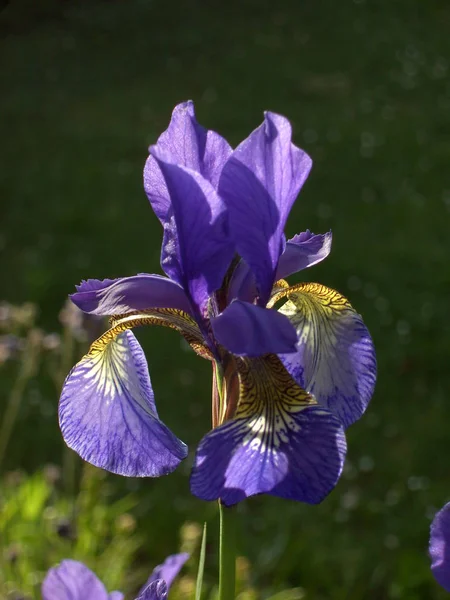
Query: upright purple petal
[335,359]
[280,442]
[440,547]
[71,580]
[303,250]
[259,184]
[185,144]
[189,145]
[108,415]
[203,249]
[128,294]
[166,572]
[116,596]
[248,330]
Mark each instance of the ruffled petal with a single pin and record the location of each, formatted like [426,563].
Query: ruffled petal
[248,330]
[303,250]
[128,294]
[335,359]
[440,547]
[107,412]
[167,571]
[71,580]
[197,249]
[259,184]
[189,145]
[280,442]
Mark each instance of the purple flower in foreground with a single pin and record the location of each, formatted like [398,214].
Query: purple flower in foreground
[440,547]
[286,381]
[72,580]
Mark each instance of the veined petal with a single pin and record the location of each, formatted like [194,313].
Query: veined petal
[157,590]
[440,547]
[128,294]
[107,412]
[280,442]
[303,250]
[190,145]
[335,359]
[166,572]
[197,249]
[259,184]
[248,330]
[72,580]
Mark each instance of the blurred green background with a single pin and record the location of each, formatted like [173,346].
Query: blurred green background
[86,87]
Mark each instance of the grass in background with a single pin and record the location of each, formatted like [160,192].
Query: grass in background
[366,84]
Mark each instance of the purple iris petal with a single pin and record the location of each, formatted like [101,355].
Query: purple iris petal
[189,145]
[335,359]
[128,294]
[108,416]
[302,251]
[259,184]
[440,547]
[166,573]
[157,590]
[71,580]
[203,249]
[248,330]
[299,457]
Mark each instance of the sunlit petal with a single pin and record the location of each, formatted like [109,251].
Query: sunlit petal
[259,183]
[279,442]
[108,415]
[335,359]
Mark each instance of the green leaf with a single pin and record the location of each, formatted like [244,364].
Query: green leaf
[201,566]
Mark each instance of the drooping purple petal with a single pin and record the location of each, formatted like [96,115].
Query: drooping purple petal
[248,330]
[190,145]
[279,443]
[127,294]
[167,572]
[259,184]
[335,359]
[71,580]
[107,413]
[303,250]
[440,547]
[203,250]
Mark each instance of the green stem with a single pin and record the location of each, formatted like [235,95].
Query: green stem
[227,558]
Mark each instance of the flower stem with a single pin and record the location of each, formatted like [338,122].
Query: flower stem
[227,557]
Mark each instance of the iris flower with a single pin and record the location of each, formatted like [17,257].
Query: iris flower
[287,379]
[72,580]
[440,547]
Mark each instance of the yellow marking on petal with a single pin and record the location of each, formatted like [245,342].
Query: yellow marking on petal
[278,288]
[325,296]
[167,317]
[268,397]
